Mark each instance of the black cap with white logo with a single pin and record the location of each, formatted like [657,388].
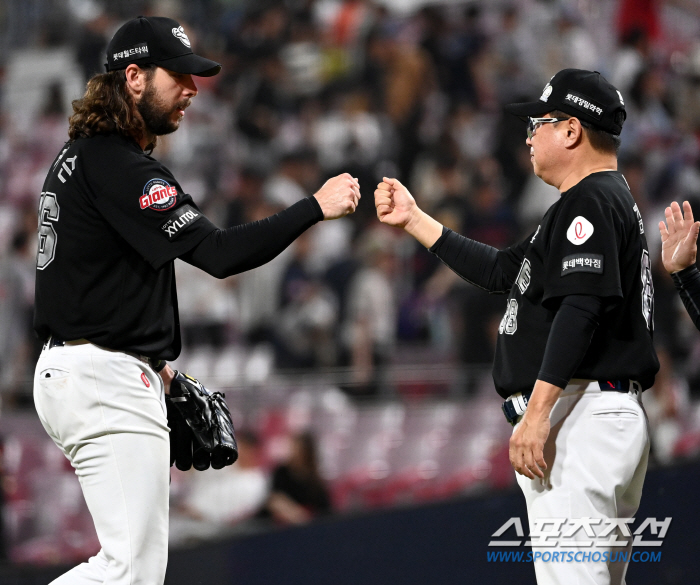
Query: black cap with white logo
[160,41]
[586,95]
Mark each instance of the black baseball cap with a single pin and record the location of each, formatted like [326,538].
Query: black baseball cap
[586,95]
[156,40]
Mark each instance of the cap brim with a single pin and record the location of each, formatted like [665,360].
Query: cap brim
[192,64]
[529,109]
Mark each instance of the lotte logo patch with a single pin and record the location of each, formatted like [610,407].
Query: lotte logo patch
[158,195]
[579,231]
[145,380]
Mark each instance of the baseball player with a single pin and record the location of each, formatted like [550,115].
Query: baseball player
[679,250]
[574,349]
[112,220]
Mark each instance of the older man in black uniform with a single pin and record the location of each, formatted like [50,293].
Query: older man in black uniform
[112,221]
[574,350]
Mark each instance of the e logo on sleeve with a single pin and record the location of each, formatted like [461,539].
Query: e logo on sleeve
[579,231]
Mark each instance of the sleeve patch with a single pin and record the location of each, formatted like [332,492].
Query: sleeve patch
[179,220]
[582,263]
[579,231]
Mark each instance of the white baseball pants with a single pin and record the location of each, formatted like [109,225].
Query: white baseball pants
[597,454]
[106,411]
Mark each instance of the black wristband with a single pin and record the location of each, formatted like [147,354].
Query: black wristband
[157,365]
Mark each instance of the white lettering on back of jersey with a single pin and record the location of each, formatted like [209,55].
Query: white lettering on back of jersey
[639,218]
[66,169]
[60,156]
[579,231]
[647,291]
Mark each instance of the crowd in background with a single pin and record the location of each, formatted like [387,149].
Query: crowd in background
[312,88]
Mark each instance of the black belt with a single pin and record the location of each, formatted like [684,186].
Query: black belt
[515,405]
[53,341]
[157,365]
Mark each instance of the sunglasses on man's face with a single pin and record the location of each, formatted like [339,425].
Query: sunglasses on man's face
[534,123]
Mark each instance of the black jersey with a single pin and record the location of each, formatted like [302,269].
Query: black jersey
[111,221]
[590,242]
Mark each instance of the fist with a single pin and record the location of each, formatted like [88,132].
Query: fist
[395,204]
[339,196]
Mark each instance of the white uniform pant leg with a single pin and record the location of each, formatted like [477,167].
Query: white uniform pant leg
[112,427]
[597,454]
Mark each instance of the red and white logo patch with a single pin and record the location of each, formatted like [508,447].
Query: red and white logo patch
[158,195]
[145,380]
[579,231]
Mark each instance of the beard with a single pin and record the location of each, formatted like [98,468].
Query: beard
[156,115]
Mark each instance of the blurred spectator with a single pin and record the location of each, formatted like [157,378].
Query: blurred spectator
[230,495]
[244,196]
[19,347]
[308,317]
[295,179]
[93,42]
[400,72]
[3,542]
[629,59]
[370,325]
[298,494]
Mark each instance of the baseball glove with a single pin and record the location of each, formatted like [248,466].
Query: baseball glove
[201,430]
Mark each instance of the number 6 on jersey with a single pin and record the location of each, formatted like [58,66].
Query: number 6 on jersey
[48,212]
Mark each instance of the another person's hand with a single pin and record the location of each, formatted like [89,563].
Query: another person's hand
[167,374]
[395,205]
[679,245]
[339,196]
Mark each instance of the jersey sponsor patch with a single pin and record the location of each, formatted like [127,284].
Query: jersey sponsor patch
[579,231]
[582,263]
[182,218]
[158,195]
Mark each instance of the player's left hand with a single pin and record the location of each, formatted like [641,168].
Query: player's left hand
[679,241]
[527,445]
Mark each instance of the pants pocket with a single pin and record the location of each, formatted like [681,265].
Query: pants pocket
[53,373]
[615,414]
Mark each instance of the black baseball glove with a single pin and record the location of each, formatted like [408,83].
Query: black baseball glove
[201,430]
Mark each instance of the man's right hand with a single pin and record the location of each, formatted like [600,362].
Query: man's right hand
[339,196]
[679,241]
[397,207]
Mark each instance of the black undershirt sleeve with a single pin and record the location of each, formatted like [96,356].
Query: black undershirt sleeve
[475,262]
[687,283]
[243,247]
[571,333]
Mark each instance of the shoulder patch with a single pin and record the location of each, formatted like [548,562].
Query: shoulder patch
[158,194]
[582,263]
[179,220]
[579,231]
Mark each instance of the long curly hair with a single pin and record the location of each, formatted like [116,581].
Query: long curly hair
[107,108]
